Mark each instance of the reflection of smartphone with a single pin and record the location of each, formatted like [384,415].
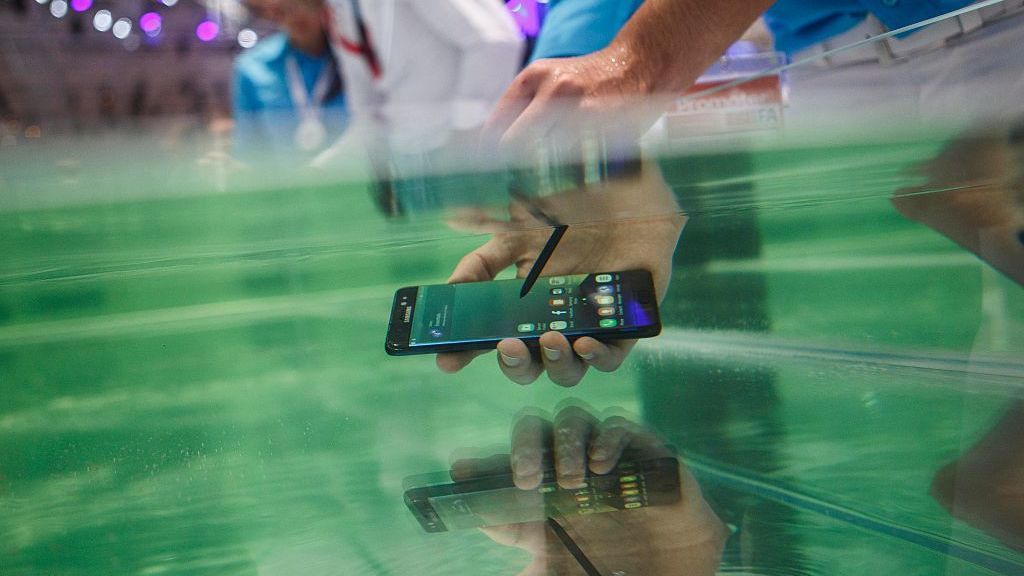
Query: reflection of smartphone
[494,500]
[475,316]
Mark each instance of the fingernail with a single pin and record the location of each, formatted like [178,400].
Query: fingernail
[599,454]
[587,356]
[510,361]
[551,354]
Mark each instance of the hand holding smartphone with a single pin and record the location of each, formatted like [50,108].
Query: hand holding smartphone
[478,315]
[629,224]
[621,499]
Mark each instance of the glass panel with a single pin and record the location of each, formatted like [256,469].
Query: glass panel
[193,317]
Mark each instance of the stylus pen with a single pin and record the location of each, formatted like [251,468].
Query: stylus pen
[573,548]
[542,259]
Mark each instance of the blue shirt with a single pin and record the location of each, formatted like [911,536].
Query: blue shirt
[578,27]
[265,116]
[797,24]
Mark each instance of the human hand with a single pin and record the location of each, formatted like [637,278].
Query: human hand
[557,99]
[685,537]
[984,487]
[628,224]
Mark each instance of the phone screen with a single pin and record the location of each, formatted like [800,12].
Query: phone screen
[494,501]
[572,304]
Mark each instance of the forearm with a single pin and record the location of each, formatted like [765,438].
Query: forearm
[667,44]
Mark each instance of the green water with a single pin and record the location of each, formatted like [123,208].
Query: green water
[197,384]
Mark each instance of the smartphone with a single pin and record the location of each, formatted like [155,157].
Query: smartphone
[494,500]
[478,315]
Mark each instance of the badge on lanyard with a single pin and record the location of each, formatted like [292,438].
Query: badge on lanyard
[311,133]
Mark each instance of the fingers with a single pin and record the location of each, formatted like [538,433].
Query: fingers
[553,101]
[512,103]
[530,440]
[535,121]
[538,98]
[480,265]
[468,468]
[606,449]
[604,357]
[563,366]
[571,436]
[484,263]
[517,362]
[452,362]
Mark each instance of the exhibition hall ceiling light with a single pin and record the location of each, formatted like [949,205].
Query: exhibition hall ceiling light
[223,18]
[102,20]
[247,38]
[58,8]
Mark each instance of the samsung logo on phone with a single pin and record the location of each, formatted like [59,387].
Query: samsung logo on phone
[408,314]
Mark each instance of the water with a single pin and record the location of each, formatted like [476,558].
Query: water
[193,380]
[196,385]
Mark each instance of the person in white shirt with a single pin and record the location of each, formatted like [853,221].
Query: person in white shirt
[417,72]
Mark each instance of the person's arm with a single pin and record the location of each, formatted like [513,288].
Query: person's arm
[660,52]
[491,52]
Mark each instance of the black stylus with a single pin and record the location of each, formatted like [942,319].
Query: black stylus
[573,548]
[542,259]
[549,247]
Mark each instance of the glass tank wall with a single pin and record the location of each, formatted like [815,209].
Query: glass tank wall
[193,377]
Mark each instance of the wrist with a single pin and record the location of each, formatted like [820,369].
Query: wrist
[633,67]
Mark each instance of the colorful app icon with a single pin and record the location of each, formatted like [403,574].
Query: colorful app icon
[629,478]
[606,311]
[526,327]
[603,278]
[558,302]
[604,300]
[557,291]
[546,489]
[605,289]
[559,325]
[630,492]
[632,505]
[608,323]
[556,280]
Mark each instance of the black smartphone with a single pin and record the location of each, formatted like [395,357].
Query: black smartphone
[494,500]
[478,315]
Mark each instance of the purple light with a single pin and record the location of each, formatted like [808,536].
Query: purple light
[526,13]
[150,22]
[207,30]
[81,5]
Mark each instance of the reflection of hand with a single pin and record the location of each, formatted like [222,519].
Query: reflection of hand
[985,486]
[626,225]
[972,196]
[680,539]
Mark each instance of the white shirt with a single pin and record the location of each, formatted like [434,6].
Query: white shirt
[443,64]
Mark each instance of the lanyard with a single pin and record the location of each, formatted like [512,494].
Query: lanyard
[364,47]
[297,87]
[311,133]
